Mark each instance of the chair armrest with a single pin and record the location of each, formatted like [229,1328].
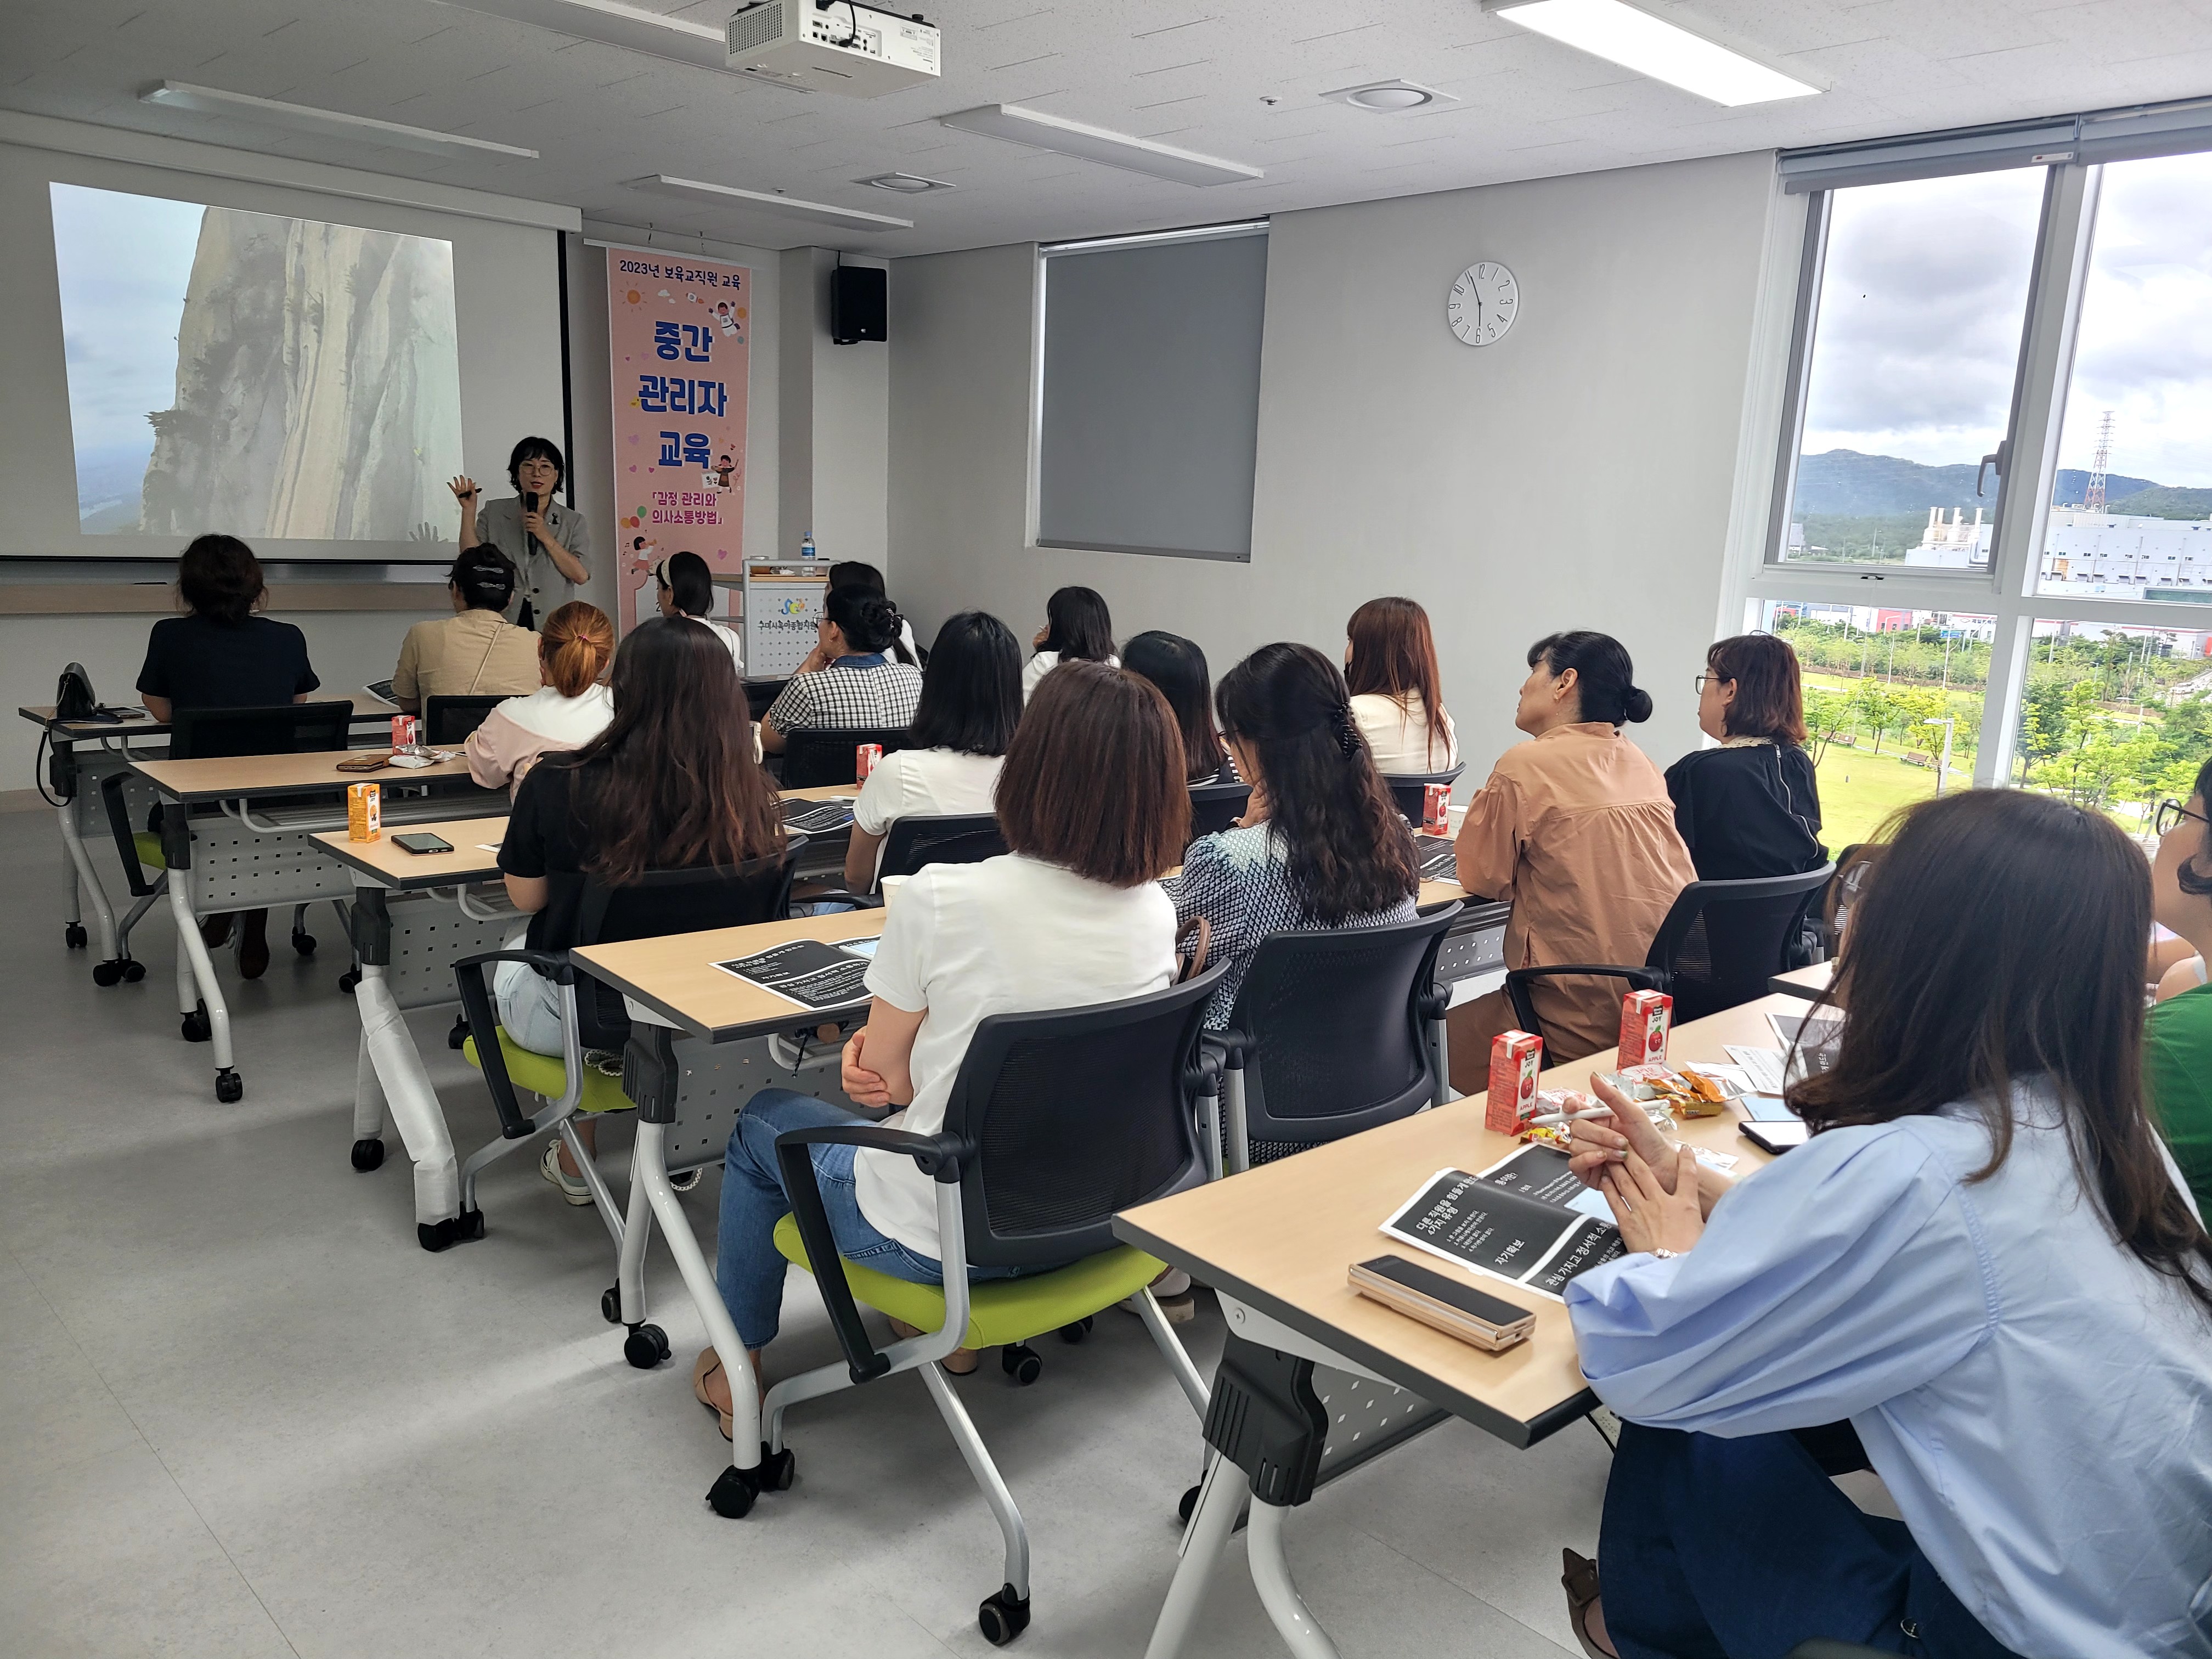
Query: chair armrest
[1524,1010]
[119,824]
[1228,1047]
[939,1156]
[514,1123]
[1435,1002]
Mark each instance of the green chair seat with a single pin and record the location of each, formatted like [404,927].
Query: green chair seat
[1000,1310]
[543,1074]
[148,846]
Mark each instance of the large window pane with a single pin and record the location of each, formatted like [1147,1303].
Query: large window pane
[2132,513]
[1916,342]
[2115,718]
[1879,683]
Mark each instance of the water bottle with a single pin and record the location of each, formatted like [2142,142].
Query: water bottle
[807,546]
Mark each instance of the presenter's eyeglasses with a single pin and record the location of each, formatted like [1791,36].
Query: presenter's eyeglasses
[2169,815]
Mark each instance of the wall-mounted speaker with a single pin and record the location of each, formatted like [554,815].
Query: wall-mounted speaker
[858,304]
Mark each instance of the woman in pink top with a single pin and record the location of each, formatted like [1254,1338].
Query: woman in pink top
[567,712]
[1577,829]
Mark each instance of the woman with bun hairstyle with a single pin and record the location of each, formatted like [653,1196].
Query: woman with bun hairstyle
[685,587]
[567,712]
[474,651]
[848,681]
[1576,830]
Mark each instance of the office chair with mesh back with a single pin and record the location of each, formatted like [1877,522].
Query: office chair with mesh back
[947,838]
[1409,791]
[1057,1120]
[1719,944]
[813,756]
[594,1016]
[1334,1032]
[447,721]
[1215,806]
[204,734]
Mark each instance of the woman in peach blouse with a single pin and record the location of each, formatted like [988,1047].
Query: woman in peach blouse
[1576,830]
[567,712]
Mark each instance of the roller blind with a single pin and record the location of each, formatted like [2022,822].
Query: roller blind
[2114,134]
[1149,415]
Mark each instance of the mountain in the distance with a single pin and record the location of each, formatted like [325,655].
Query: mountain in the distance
[1846,482]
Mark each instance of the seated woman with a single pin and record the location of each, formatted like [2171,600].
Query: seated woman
[567,712]
[1320,846]
[849,680]
[475,651]
[1177,668]
[1077,628]
[1576,830]
[1072,916]
[1391,664]
[855,573]
[671,784]
[2178,1038]
[684,587]
[221,655]
[1983,1259]
[971,700]
[1750,807]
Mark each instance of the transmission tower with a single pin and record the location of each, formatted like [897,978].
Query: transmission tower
[2094,501]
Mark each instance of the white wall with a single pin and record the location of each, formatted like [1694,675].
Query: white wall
[834,426]
[1578,474]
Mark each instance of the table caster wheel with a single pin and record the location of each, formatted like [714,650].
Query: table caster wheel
[610,1304]
[304,944]
[777,1470]
[1022,1364]
[229,1087]
[196,1026]
[646,1346]
[732,1493]
[349,979]
[1004,1616]
[75,936]
[1078,1330]
[105,973]
[367,1155]
[1187,1504]
[133,970]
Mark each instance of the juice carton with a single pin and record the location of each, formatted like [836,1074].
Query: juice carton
[406,734]
[864,756]
[1515,1057]
[1645,1017]
[364,812]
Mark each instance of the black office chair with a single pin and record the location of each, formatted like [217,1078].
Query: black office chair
[813,756]
[1333,1031]
[1215,806]
[935,838]
[1719,944]
[1057,1122]
[658,904]
[761,695]
[287,728]
[447,721]
[1410,790]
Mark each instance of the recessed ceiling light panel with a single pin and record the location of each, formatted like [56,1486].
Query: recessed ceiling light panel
[1389,97]
[1624,34]
[1115,150]
[323,123]
[760,201]
[904,184]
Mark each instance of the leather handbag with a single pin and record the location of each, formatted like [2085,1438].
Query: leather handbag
[74,697]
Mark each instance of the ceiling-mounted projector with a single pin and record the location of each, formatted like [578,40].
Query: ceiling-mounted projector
[832,45]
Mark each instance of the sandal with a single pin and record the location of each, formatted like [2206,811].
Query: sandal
[709,1363]
[1579,1580]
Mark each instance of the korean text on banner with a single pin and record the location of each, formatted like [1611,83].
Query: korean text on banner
[678,332]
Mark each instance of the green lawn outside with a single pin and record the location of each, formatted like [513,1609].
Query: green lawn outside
[1859,789]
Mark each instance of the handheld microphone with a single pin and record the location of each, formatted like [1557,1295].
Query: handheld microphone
[530,505]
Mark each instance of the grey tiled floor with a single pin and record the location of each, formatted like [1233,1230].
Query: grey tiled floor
[242,1414]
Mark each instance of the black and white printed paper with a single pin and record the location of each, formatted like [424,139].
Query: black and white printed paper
[809,972]
[1511,1221]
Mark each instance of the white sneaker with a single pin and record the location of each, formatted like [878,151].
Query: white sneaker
[571,1187]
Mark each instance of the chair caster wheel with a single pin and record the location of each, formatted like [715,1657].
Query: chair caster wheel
[1004,1616]
[367,1155]
[196,1026]
[75,936]
[1022,1364]
[304,944]
[646,1346]
[1073,1333]
[1187,1504]
[462,1229]
[732,1493]
[133,970]
[610,1304]
[105,973]
[349,979]
[458,1035]
[229,1087]
[777,1469]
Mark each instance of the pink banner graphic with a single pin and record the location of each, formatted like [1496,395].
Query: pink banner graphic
[677,330]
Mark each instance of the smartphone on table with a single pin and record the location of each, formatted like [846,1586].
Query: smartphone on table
[1473,1316]
[420,841]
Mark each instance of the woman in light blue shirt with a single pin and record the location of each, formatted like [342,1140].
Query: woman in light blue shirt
[1983,1260]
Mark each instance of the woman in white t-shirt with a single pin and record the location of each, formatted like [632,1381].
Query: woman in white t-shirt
[1397,696]
[1077,628]
[1072,917]
[684,587]
[567,712]
[971,700]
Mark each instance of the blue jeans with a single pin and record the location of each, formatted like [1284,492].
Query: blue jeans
[1741,1549]
[748,1268]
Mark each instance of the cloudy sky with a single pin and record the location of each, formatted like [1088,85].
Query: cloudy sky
[1925,293]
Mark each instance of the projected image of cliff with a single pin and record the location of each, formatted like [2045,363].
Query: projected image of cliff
[269,377]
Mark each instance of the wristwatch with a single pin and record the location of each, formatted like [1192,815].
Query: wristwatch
[1664,1255]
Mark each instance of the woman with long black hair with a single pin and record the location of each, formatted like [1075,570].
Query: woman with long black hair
[1983,1259]
[1322,844]
[1177,668]
[1077,628]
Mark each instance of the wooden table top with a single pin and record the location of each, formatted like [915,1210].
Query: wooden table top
[365,708]
[676,977]
[1281,1238]
[227,777]
[475,856]
[1806,982]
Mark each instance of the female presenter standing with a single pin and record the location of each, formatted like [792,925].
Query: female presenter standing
[550,543]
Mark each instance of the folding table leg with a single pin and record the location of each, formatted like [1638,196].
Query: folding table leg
[415,1111]
[1220,1501]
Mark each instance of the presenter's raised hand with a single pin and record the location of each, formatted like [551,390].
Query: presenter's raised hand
[464,489]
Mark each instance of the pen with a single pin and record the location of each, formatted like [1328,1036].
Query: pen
[1550,1119]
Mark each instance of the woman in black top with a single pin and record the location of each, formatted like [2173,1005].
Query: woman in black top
[221,655]
[1750,807]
